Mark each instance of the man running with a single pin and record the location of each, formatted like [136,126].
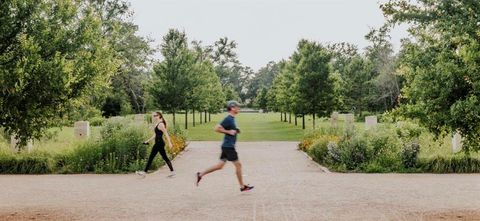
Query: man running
[229,128]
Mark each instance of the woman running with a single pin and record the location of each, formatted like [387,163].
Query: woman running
[159,146]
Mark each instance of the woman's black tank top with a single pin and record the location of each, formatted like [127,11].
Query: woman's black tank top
[158,135]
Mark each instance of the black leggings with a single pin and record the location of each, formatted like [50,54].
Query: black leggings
[158,147]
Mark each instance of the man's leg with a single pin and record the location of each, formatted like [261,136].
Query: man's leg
[218,166]
[238,167]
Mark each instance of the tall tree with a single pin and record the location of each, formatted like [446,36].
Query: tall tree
[385,80]
[134,53]
[50,53]
[441,65]
[312,72]
[172,77]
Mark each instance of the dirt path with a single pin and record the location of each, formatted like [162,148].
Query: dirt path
[288,186]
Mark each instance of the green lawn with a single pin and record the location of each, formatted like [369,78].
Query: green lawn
[253,127]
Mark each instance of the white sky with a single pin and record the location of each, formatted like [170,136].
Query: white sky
[265,30]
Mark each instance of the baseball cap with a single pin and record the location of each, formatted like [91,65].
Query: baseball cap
[232,104]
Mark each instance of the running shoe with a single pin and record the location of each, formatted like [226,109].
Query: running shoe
[141,173]
[172,174]
[246,188]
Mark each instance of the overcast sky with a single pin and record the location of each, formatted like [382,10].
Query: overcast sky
[265,30]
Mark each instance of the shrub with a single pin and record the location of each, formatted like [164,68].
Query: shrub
[383,150]
[319,150]
[118,151]
[353,152]
[25,163]
[388,148]
[451,164]
[311,137]
[97,121]
[409,154]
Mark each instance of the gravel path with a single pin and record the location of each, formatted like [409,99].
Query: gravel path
[288,186]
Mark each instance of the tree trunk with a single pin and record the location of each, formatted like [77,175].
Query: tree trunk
[193,113]
[200,113]
[313,121]
[303,121]
[295,119]
[290,117]
[186,119]
[285,117]
[205,116]
[174,119]
[281,117]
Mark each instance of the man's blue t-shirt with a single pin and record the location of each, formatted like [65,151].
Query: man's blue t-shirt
[229,124]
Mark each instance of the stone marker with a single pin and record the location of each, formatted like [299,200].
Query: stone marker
[334,119]
[349,119]
[370,122]
[82,129]
[14,142]
[456,142]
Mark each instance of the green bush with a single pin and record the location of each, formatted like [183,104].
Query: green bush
[319,150]
[97,121]
[119,150]
[452,164]
[388,148]
[353,152]
[25,163]
[409,154]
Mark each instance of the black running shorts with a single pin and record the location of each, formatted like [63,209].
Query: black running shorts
[229,154]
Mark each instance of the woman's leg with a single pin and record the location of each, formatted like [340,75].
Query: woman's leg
[165,157]
[152,155]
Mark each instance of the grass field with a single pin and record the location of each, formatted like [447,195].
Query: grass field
[253,127]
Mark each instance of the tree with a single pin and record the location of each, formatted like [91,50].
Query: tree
[50,53]
[262,79]
[261,99]
[233,76]
[315,87]
[209,93]
[385,80]
[441,65]
[133,52]
[172,77]
[358,75]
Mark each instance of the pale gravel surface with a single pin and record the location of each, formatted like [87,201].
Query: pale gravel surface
[288,186]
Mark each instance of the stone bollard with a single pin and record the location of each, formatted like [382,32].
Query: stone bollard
[14,142]
[370,122]
[82,129]
[349,120]
[334,119]
[456,142]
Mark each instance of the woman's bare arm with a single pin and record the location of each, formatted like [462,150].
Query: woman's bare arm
[165,131]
